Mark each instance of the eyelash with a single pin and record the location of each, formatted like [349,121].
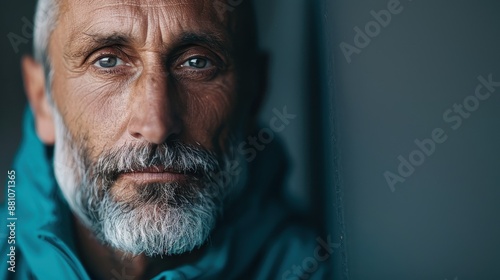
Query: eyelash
[109,71]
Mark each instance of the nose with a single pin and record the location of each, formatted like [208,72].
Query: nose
[153,117]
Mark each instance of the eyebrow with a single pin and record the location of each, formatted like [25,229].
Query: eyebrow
[89,42]
[84,45]
[211,40]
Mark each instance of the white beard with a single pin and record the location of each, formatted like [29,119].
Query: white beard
[158,219]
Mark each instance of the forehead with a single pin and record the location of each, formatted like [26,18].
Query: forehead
[146,21]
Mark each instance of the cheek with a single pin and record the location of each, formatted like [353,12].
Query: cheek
[91,110]
[209,111]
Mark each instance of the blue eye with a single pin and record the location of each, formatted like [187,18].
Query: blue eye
[197,62]
[109,62]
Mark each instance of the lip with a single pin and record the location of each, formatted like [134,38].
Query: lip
[155,174]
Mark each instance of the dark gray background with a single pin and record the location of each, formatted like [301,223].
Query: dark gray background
[443,222]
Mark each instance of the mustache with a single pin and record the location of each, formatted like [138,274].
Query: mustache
[174,156]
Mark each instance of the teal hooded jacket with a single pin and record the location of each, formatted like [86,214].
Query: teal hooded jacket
[256,238]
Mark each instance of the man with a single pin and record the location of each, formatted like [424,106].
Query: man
[136,171]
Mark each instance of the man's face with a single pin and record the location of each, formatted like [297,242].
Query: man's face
[146,103]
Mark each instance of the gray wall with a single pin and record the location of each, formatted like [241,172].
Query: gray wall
[443,221]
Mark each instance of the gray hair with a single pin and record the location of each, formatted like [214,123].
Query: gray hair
[45,21]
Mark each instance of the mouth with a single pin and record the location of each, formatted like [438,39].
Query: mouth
[159,174]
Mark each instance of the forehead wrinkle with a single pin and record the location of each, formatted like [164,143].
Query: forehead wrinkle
[127,18]
[202,8]
[134,4]
[148,25]
[85,32]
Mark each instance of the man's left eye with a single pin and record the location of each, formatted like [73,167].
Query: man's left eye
[109,62]
[197,62]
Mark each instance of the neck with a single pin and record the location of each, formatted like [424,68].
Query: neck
[104,262]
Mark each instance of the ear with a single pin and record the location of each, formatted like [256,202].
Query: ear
[34,85]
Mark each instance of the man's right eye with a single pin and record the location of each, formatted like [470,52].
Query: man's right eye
[108,62]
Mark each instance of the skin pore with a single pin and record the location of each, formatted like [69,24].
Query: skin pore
[147,71]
